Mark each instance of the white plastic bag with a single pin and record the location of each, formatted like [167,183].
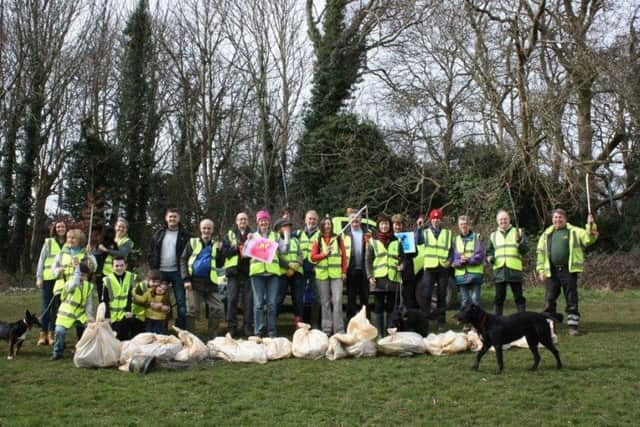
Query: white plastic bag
[360,328]
[335,349]
[446,343]
[239,351]
[193,349]
[277,348]
[308,343]
[98,347]
[401,343]
[162,347]
[364,348]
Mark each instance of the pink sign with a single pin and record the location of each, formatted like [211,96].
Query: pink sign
[260,249]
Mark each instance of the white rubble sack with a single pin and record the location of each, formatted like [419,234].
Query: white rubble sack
[401,343]
[193,349]
[308,343]
[98,347]
[238,351]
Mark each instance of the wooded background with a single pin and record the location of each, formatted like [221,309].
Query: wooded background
[405,105]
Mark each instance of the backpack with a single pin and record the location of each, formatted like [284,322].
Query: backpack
[202,263]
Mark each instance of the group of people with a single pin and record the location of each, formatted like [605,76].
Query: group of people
[313,263]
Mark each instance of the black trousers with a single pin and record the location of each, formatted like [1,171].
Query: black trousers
[501,295]
[424,292]
[562,279]
[357,292]
[384,301]
[409,293]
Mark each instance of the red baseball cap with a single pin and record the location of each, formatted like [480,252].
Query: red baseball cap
[435,214]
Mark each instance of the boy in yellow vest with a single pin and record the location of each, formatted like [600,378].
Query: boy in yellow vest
[118,288]
[76,307]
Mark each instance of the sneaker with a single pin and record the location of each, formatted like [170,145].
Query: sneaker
[56,357]
[573,332]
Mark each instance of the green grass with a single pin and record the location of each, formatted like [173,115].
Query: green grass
[600,384]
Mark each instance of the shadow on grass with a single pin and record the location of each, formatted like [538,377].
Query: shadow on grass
[598,327]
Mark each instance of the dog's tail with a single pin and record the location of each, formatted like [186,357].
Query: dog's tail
[556,317]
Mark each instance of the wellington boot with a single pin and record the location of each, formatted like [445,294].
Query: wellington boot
[51,338]
[42,339]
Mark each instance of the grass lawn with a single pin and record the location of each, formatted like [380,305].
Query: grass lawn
[600,384]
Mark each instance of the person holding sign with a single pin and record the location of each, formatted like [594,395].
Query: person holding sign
[264,271]
[408,240]
[384,263]
[330,256]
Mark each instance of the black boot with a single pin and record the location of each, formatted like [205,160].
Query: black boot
[521,308]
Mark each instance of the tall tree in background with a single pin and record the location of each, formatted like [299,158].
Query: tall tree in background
[341,51]
[138,120]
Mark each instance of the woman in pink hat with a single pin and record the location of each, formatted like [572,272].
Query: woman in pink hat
[265,281]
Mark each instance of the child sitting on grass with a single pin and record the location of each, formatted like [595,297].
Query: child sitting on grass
[156,302]
[76,307]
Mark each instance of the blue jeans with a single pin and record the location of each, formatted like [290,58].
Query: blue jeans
[265,290]
[61,334]
[155,326]
[470,290]
[174,278]
[296,283]
[47,320]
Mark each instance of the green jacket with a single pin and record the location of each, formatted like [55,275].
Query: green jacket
[579,238]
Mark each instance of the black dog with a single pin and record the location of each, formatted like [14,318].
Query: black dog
[497,331]
[16,332]
[409,320]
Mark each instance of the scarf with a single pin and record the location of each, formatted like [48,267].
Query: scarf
[385,238]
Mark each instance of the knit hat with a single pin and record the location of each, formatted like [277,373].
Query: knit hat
[435,214]
[263,215]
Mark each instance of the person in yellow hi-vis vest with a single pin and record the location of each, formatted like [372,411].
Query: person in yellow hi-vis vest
[468,262]
[74,251]
[265,281]
[384,263]
[199,265]
[331,259]
[506,247]
[118,288]
[45,280]
[437,249]
[306,237]
[560,258]
[76,308]
[290,269]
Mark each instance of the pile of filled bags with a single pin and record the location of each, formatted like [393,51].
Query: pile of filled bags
[99,347]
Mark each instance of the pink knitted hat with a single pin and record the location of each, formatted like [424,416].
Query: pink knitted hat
[263,215]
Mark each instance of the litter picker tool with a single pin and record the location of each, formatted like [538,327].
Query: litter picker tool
[513,207]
